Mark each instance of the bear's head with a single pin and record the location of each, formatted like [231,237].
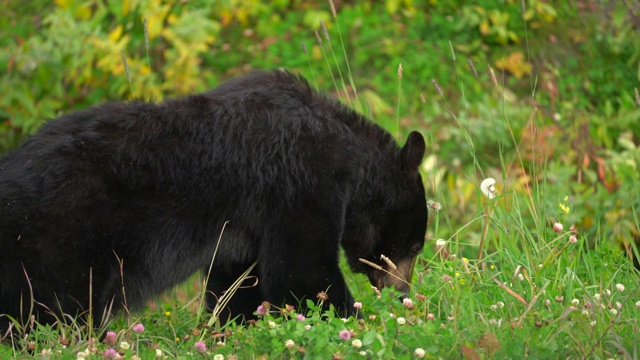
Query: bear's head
[384,236]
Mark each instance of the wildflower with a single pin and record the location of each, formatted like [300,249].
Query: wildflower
[363,353]
[596,296]
[289,344]
[135,357]
[559,298]
[565,209]
[81,355]
[124,345]
[110,338]
[488,187]
[557,227]
[420,352]
[638,304]
[547,303]
[421,297]
[450,318]
[344,320]
[585,312]
[139,328]
[372,317]
[500,304]
[357,305]
[218,357]
[431,316]
[441,243]
[357,343]
[434,205]
[446,278]
[520,277]
[575,302]
[573,239]
[167,313]
[307,327]
[110,353]
[408,303]
[322,296]
[300,317]
[607,292]
[401,321]
[614,311]
[620,287]
[200,346]
[271,323]
[618,305]
[494,307]
[345,335]
[261,310]
[593,323]
[158,353]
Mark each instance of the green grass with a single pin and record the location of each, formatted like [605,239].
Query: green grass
[505,284]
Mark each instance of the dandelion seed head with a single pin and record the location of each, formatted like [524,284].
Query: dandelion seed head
[488,188]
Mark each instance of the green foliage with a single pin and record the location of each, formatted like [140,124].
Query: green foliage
[558,128]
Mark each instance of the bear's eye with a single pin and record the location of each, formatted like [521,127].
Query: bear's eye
[416,249]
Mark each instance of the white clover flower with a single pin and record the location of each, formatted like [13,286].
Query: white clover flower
[573,239]
[125,345]
[440,243]
[575,302]
[401,321]
[638,304]
[500,304]
[593,323]
[488,187]
[597,297]
[614,311]
[357,343]
[218,357]
[363,353]
[420,352]
[607,292]
[272,323]
[585,312]
[289,344]
[520,277]
[494,307]
[432,316]
[620,287]
[307,327]
[159,353]
[558,227]
[408,303]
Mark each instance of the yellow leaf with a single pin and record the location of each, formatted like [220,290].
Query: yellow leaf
[63,3]
[115,34]
[515,64]
[126,6]
[484,28]
[83,13]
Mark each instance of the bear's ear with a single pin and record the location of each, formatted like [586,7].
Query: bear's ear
[412,152]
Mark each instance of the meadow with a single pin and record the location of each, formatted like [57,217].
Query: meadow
[531,113]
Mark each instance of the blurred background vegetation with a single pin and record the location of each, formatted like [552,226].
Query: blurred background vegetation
[560,122]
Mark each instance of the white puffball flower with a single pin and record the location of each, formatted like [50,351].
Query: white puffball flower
[357,343]
[488,187]
[440,243]
[401,321]
[620,287]
[420,352]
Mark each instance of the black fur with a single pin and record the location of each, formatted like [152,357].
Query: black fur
[293,172]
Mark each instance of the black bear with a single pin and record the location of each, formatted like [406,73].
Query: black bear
[111,205]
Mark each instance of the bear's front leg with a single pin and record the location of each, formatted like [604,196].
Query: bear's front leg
[302,261]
